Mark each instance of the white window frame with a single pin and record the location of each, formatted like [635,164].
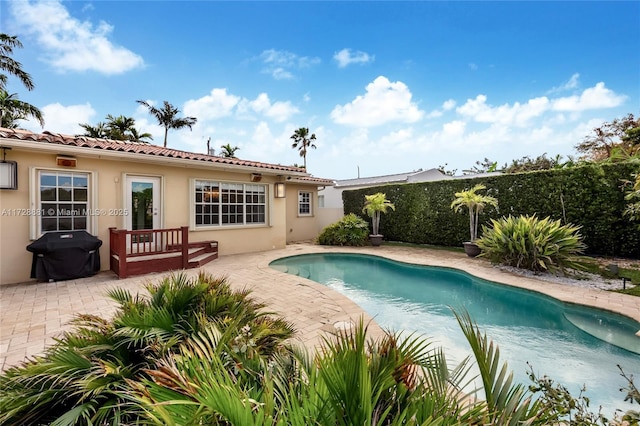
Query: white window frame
[246,186]
[35,209]
[302,202]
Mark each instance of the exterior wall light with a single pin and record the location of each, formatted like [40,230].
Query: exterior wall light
[279,190]
[8,171]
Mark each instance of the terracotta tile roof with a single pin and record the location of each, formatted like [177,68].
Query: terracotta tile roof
[136,148]
[312,179]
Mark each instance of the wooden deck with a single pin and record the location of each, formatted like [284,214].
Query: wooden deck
[156,250]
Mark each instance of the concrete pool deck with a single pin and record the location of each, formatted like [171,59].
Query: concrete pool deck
[33,314]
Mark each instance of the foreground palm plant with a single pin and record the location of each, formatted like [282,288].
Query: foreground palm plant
[351,380]
[506,403]
[86,376]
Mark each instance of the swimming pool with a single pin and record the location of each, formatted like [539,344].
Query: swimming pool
[556,338]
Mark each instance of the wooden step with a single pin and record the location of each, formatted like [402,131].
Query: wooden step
[202,259]
[198,251]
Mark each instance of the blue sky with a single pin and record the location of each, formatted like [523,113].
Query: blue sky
[387,87]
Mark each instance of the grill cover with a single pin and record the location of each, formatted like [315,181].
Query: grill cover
[65,255]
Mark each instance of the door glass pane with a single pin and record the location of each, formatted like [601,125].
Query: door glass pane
[141,205]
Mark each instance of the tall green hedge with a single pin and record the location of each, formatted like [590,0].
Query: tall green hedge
[589,196]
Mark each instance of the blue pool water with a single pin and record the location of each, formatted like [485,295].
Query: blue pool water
[556,338]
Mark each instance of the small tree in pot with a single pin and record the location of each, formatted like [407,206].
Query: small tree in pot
[475,203]
[374,206]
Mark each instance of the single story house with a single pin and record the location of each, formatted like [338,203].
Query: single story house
[55,182]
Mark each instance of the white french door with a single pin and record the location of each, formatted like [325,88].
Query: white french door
[142,197]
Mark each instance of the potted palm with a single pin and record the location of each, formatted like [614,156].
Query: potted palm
[374,206]
[475,203]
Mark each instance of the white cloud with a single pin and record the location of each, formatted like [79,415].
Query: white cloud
[596,97]
[71,44]
[454,129]
[572,83]
[279,63]
[448,105]
[281,74]
[517,114]
[261,140]
[522,115]
[64,119]
[383,102]
[216,104]
[219,104]
[473,67]
[277,111]
[347,57]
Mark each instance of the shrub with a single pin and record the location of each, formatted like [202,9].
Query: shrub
[531,243]
[351,230]
[88,375]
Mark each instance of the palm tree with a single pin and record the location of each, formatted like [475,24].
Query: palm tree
[475,203]
[135,136]
[303,141]
[120,128]
[13,109]
[97,131]
[10,65]
[374,206]
[229,151]
[168,118]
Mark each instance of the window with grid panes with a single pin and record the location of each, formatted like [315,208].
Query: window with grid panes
[223,203]
[304,203]
[63,198]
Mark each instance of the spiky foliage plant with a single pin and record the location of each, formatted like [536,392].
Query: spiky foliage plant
[531,243]
[87,375]
[351,230]
[351,380]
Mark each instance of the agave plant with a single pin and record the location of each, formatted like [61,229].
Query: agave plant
[531,243]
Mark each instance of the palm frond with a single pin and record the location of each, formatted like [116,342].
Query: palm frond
[506,403]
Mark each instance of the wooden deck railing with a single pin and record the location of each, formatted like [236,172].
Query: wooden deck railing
[150,250]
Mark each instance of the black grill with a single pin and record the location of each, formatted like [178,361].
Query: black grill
[65,255]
